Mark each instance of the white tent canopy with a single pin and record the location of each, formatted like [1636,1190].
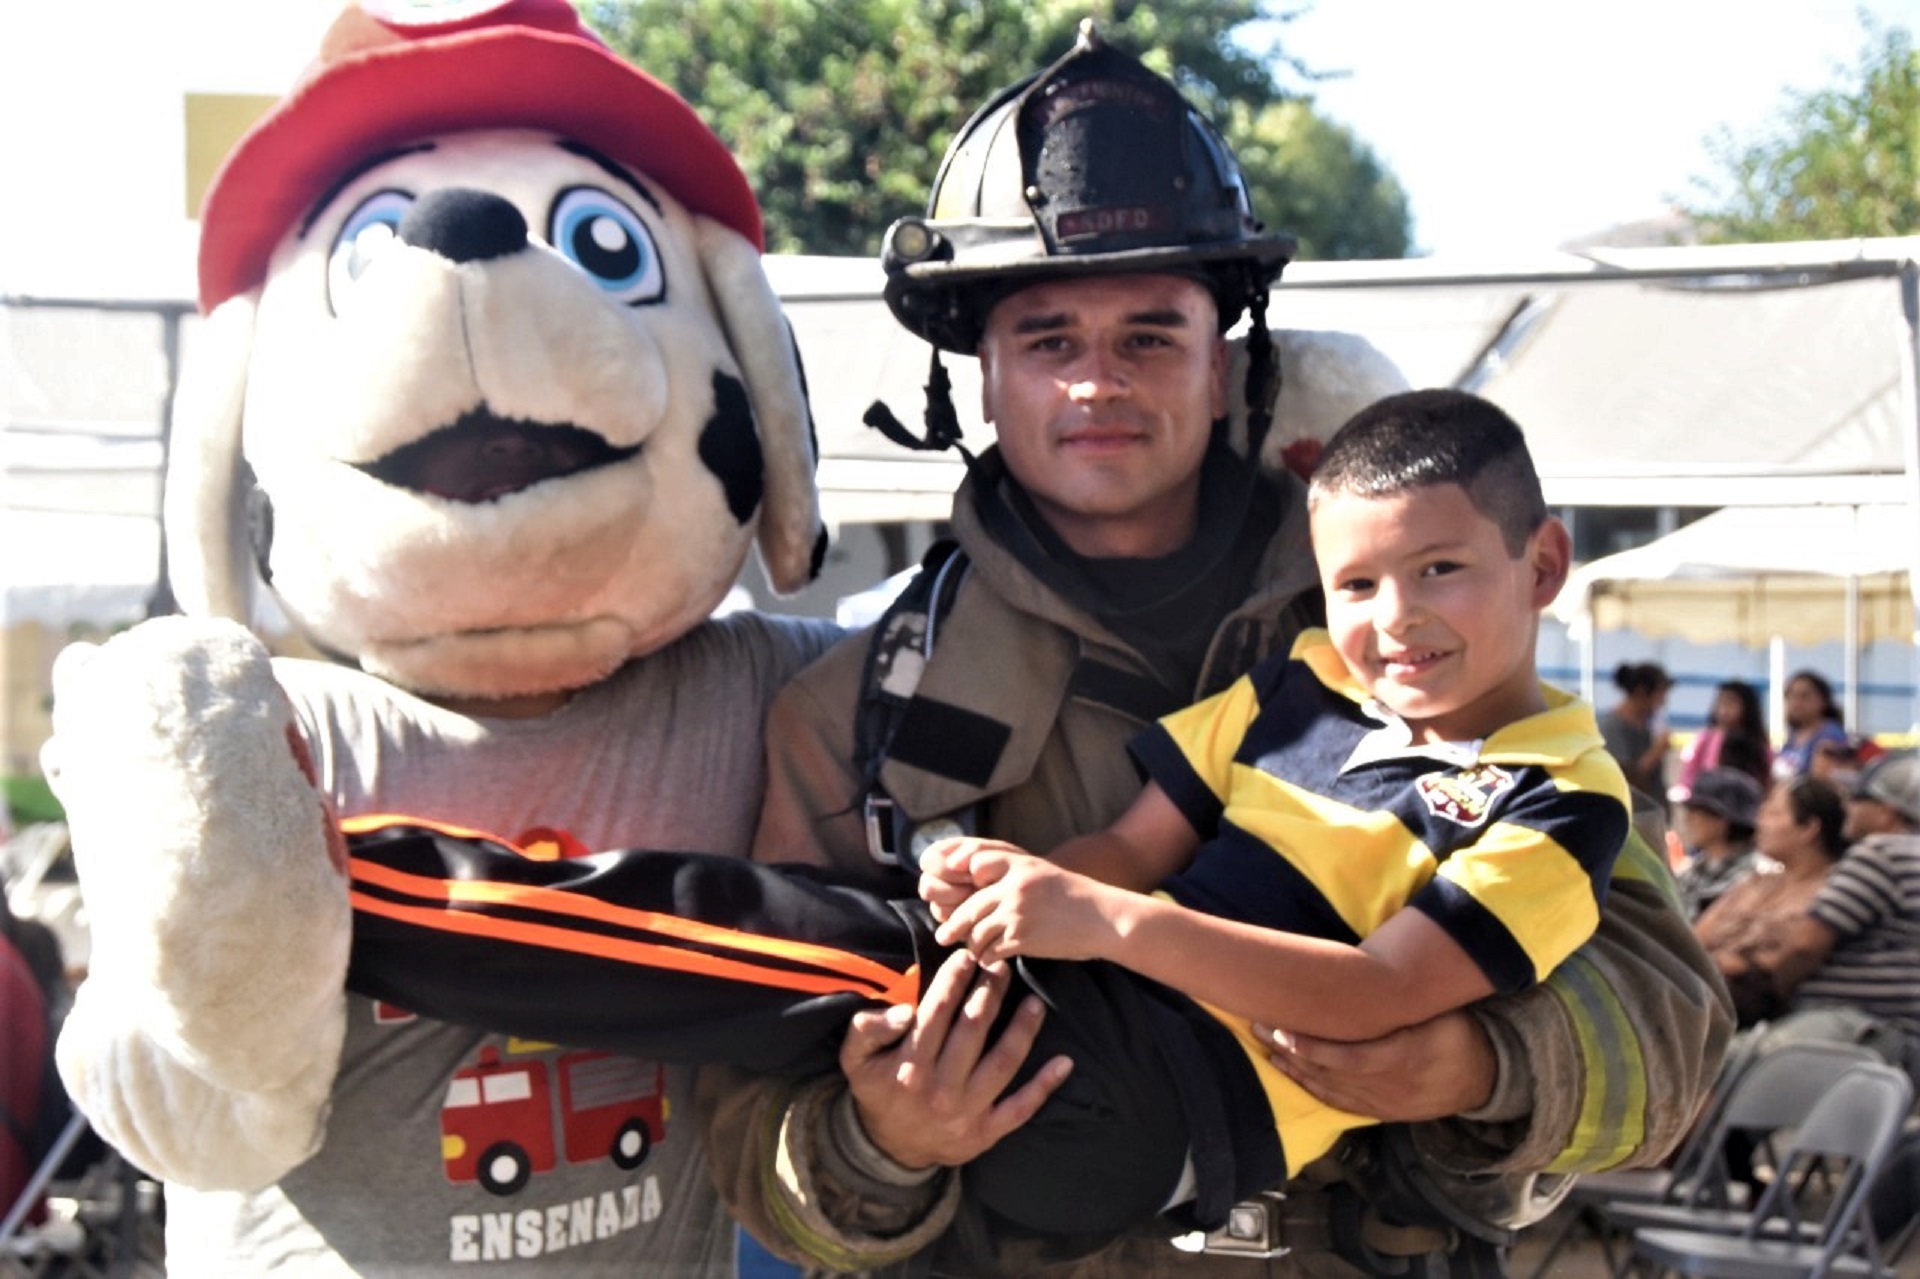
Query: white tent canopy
[1749,374]
[1747,575]
[1745,374]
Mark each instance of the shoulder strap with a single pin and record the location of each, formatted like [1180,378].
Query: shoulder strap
[901,645]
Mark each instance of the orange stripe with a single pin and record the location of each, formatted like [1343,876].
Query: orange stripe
[556,902]
[368,823]
[884,981]
[645,954]
[855,968]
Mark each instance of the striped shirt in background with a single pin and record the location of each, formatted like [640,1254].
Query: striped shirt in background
[1872,901]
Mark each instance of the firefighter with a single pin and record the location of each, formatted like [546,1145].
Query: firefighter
[1117,556]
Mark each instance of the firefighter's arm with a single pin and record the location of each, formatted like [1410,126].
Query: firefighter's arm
[792,1159]
[813,810]
[797,1170]
[1605,1063]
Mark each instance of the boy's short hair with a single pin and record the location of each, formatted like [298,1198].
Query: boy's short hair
[1419,438]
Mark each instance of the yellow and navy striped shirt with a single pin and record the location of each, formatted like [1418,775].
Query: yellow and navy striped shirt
[1319,815]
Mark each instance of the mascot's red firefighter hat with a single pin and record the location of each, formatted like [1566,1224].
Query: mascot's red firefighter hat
[391,72]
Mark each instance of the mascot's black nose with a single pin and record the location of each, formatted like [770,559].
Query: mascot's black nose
[463,225]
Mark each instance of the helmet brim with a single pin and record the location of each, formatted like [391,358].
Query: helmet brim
[946,302]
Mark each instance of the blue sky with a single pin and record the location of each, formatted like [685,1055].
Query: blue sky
[1518,125]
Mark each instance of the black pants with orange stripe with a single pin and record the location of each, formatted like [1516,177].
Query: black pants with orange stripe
[694,958]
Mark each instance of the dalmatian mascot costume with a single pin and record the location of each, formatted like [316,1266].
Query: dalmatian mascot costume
[494,394]
[494,397]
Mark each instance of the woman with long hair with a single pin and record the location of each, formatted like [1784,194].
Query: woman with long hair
[1799,832]
[1735,737]
[1812,717]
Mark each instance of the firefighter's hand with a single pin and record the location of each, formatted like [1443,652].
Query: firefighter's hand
[927,1085]
[1433,1070]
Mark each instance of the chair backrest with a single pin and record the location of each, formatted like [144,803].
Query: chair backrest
[1855,1123]
[1780,1087]
[1759,1094]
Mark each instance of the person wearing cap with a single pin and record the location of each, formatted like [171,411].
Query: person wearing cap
[1089,239]
[1716,826]
[1850,964]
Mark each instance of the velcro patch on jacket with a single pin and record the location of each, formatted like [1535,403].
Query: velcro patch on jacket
[1137,696]
[950,741]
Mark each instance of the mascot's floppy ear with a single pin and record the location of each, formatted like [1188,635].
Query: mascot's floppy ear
[209,560]
[1325,378]
[793,541]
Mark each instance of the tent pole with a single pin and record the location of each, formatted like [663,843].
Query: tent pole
[1589,641]
[1909,394]
[1910,397]
[1850,654]
[1777,689]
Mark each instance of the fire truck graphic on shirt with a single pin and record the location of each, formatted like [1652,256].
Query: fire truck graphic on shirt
[503,1121]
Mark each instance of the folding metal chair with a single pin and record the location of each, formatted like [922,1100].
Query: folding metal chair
[1790,1233]
[103,1224]
[1754,1094]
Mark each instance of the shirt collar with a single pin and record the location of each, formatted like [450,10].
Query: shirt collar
[1556,736]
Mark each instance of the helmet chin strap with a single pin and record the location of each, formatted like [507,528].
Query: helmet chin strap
[942,422]
[1263,374]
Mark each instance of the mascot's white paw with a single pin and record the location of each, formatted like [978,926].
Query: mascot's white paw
[212,871]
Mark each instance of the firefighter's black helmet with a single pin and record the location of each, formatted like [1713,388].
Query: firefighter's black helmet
[1095,166]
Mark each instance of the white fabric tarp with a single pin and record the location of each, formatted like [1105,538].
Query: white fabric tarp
[1746,575]
[1777,374]
[1705,377]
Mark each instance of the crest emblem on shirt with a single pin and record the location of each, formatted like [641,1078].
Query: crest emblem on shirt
[1467,797]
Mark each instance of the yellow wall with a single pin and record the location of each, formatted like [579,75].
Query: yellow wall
[215,122]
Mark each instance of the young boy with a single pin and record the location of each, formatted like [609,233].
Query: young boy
[1398,818]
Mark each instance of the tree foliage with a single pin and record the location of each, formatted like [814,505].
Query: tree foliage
[839,110]
[1839,163]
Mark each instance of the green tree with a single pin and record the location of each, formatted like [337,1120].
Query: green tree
[839,110]
[1314,178]
[1839,163]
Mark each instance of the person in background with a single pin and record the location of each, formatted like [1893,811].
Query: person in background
[1841,762]
[1813,718]
[1847,968]
[1800,835]
[1716,827]
[1851,963]
[1633,730]
[1735,737]
[32,1104]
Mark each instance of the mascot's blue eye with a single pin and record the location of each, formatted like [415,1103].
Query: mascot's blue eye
[608,241]
[369,229]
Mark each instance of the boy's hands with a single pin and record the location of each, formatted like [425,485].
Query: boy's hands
[999,901]
[946,873]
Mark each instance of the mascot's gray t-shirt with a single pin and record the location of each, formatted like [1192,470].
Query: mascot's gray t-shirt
[452,1151]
